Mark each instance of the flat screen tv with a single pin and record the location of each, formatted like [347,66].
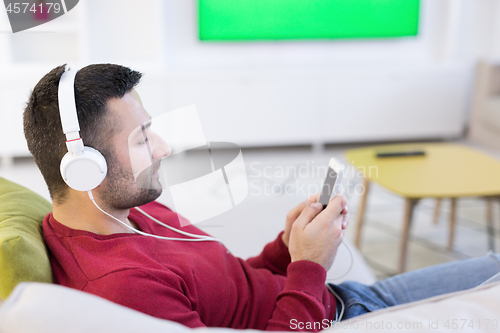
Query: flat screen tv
[254,20]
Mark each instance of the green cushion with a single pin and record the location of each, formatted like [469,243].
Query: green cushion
[23,254]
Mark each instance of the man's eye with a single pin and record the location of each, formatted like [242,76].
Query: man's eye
[143,142]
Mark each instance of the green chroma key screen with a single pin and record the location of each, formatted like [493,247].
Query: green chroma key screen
[240,20]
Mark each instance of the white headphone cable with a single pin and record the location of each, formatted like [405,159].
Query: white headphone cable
[342,305]
[350,264]
[170,227]
[197,238]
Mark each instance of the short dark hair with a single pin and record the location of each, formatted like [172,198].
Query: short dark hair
[95,85]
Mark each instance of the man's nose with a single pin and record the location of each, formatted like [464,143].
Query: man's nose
[160,148]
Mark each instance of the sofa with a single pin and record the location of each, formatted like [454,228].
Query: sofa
[49,308]
[32,303]
[484,127]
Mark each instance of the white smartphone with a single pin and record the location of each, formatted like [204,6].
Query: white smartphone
[332,181]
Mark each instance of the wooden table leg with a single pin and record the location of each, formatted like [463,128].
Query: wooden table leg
[453,218]
[361,212]
[489,224]
[437,210]
[408,216]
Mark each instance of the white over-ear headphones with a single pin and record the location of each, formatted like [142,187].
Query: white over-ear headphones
[82,168]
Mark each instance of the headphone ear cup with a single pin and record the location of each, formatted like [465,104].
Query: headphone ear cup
[85,171]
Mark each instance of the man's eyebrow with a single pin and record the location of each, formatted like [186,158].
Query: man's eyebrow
[139,132]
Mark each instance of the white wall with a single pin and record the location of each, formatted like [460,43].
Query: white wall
[495,45]
[266,93]
[447,29]
[478,33]
[282,92]
[124,30]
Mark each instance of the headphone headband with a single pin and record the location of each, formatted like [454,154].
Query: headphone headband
[67,104]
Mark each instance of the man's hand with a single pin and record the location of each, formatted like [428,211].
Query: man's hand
[316,235]
[294,213]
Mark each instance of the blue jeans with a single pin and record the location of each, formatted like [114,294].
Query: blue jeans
[416,285]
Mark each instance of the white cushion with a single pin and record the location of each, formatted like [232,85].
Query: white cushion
[49,308]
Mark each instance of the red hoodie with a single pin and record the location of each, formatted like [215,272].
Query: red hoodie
[194,283]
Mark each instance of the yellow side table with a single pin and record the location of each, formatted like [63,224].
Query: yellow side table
[446,171]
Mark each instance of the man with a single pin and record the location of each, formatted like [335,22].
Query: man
[194,283]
